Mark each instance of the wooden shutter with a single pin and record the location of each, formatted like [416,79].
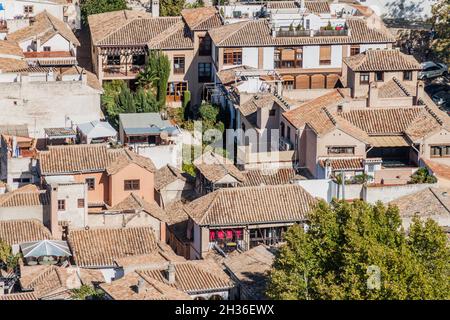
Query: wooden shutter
[302,81]
[325,53]
[288,54]
[318,81]
[332,79]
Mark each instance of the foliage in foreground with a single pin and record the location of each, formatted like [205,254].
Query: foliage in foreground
[86,292]
[345,246]
[89,7]
[8,260]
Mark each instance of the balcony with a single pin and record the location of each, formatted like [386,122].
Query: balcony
[122,71]
[293,33]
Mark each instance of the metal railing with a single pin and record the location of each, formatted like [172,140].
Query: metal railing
[311,33]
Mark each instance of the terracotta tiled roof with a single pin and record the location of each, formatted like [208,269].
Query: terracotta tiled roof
[261,100]
[190,277]
[391,120]
[215,167]
[199,19]
[18,296]
[251,205]
[382,60]
[8,64]
[10,48]
[312,6]
[166,175]
[103,24]
[393,88]
[126,288]
[47,281]
[45,26]
[311,110]
[258,33]
[26,196]
[259,177]
[343,163]
[425,203]
[251,268]
[89,158]
[136,203]
[130,28]
[100,247]
[20,231]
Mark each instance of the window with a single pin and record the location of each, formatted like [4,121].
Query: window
[21,180]
[282,129]
[272,112]
[237,14]
[27,9]
[307,24]
[340,108]
[341,150]
[379,76]
[288,58]
[204,72]
[288,135]
[325,55]
[175,90]
[288,84]
[354,50]
[90,183]
[204,46]
[178,65]
[47,49]
[80,203]
[364,78]
[138,60]
[232,56]
[131,185]
[113,60]
[407,75]
[61,205]
[440,151]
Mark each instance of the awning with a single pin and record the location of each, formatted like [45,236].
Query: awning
[388,141]
[287,78]
[60,133]
[42,248]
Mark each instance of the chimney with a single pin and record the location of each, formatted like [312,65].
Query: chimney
[170,273]
[372,101]
[419,91]
[53,221]
[140,286]
[155,8]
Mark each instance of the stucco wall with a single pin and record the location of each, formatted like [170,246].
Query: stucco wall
[131,172]
[48,104]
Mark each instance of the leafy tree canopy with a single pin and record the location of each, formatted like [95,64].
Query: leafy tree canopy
[171,7]
[441,25]
[89,7]
[86,292]
[8,260]
[360,251]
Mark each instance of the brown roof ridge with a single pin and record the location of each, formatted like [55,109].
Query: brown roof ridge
[439,199]
[167,33]
[243,24]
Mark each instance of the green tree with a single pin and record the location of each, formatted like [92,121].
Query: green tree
[89,7]
[145,101]
[7,258]
[86,292]
[345,243]
[196,4]
[209,112]
[422,175]
[441,25]
[171,7]
[155,75]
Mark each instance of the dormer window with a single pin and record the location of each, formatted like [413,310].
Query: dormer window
[379,76]
[364,78]
[340,108]
[407,76]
